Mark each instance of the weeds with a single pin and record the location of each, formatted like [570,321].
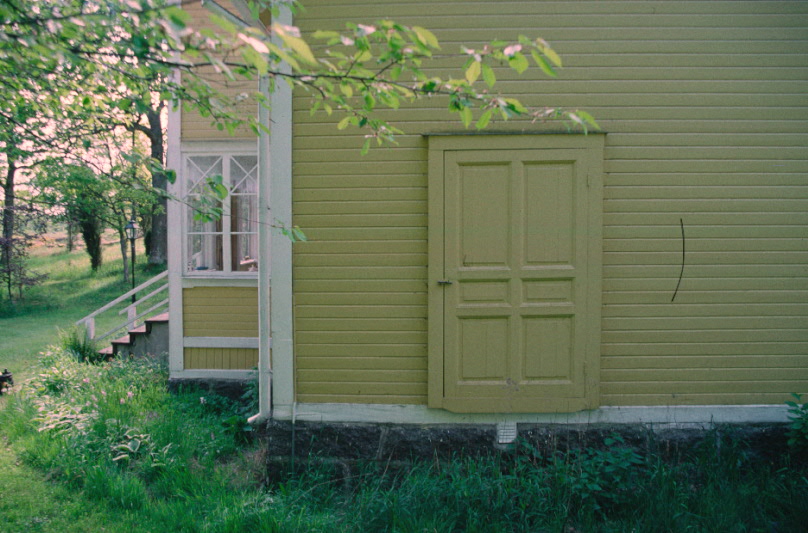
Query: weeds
[183,462]
[77,343]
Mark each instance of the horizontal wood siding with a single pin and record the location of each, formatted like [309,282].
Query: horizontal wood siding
[706,108]
[195,127]
[220,358]
[220,312]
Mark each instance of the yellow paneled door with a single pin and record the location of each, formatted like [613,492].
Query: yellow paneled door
[515,268]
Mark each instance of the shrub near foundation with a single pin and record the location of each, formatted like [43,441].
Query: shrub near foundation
[798,427]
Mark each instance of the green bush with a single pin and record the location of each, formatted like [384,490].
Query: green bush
[77,343]
[798,427]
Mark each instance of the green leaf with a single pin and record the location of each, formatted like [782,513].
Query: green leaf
[518,62]
[488,76]
[551,55]
[516,106]
[484,119]
[473,72]
[320,34]
[543,64]
[466,116]
[346,89]
[298,45]
[426,37]
[589,119]
[344,123]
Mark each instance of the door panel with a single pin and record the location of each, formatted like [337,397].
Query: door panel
[516,327]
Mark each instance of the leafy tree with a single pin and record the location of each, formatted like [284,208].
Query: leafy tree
[103,185]
[103,64]
[81,194]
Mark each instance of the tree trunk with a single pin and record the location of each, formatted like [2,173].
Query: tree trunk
[91,232]
[124,255]
[71,235]
[157,239]
[8,223]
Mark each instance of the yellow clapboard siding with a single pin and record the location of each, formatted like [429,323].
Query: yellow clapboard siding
[335,9]
[361,324]
[365,298]
[372,234]
[360,311]
[361,363]
[709,283]
[388,351]
[383,398]
[706,310]
[737,398]
[355,207]
[707,335]
[702,387]
[696,245]
[377,194]
[695,375]
[220,358]
[712,192]
[361,337]
[693,323]
[220,312]
[360,389]
[366,285]
[390,259]
[652,363]
[684,349]
[368,375]
[707,117]
[362,220]
[364,247]
[358,273]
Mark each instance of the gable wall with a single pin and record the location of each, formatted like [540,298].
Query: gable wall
[705,107]
[198,128]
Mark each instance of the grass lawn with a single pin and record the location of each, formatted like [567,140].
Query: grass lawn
[70,292]
[31,503]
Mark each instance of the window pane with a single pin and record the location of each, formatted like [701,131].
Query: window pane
[198,226]
[244,214]
[245,252]
[205,252]
[201,167]
[244,174]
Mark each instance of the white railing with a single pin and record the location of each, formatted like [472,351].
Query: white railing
[132,315]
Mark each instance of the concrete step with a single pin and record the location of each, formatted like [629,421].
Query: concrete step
[150,337]
[158,318]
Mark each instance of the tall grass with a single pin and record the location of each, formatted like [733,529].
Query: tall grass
[112,433]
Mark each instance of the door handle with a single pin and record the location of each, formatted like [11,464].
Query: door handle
[444,282]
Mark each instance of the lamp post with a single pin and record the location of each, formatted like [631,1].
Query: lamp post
[131,233]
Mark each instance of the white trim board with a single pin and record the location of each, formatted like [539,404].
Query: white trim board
[235,375]
[220,342]
[189,282]
[675,416]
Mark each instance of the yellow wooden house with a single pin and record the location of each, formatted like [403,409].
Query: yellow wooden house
[654,272]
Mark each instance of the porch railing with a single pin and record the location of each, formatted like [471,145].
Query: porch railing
[133,317]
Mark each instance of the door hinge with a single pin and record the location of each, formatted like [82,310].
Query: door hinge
[444,282]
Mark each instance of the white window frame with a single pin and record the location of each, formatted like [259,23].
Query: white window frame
[226,150]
